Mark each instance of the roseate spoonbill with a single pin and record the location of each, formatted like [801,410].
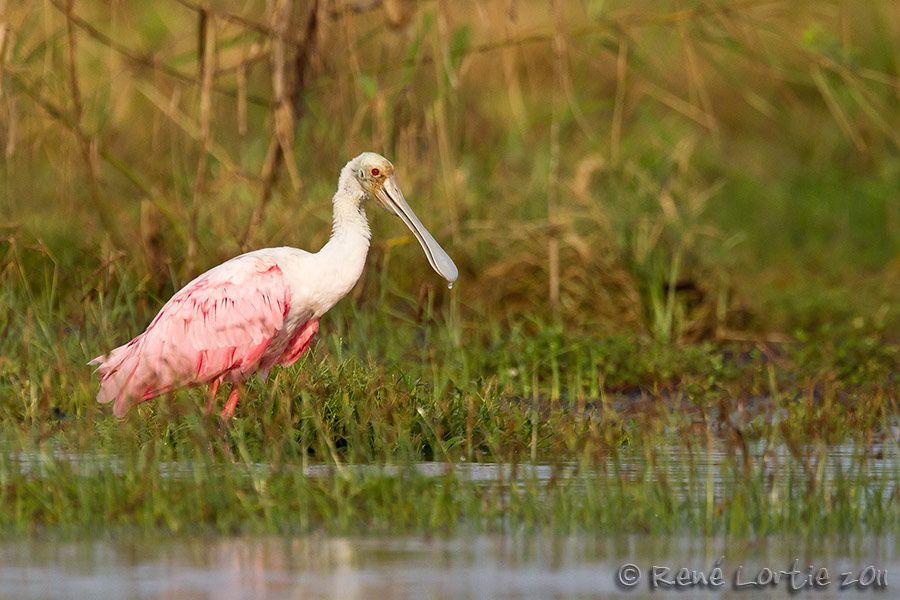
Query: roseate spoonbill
[261,308]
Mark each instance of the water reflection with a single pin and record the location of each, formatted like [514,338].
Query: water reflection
[512,566]
[880,460]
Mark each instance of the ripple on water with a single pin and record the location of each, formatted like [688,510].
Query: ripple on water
[512,566]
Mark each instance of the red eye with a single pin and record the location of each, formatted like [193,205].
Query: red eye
[375,172]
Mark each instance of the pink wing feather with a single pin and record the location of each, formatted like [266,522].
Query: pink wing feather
[219,324]
[299,343]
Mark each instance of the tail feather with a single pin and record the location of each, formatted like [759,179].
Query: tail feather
[117,372]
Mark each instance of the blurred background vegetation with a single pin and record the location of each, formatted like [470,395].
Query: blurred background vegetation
[677,225]
[686,170]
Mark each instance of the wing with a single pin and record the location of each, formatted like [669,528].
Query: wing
[299,343]
[221,322]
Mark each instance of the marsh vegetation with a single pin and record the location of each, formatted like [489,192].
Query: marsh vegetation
[677,226]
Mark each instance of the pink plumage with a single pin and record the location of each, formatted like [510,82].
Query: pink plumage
[262,308]
[225,325]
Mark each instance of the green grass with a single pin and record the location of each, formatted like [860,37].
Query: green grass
[722,356]
[624,423]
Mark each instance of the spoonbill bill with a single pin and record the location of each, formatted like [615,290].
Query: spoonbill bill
[261,308]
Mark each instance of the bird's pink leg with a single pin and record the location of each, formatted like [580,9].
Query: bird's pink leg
[213,390]
[232,401]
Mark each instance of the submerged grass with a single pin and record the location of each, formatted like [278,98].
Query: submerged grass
[676,226]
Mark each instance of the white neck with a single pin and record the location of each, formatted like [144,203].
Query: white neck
[349,217]
[342,259]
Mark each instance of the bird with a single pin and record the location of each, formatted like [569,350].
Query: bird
[261,308]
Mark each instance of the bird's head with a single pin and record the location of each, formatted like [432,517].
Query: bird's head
[371,171]
[375,175]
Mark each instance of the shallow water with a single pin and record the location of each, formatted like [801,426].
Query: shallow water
[687,471]
[512,566]
[509,566]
